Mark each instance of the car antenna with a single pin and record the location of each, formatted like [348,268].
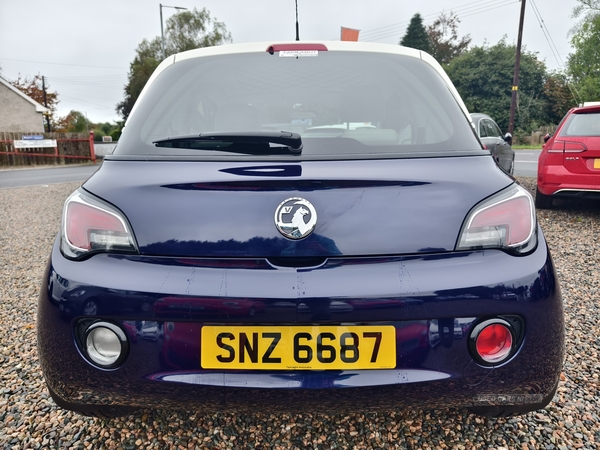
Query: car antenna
[297,29]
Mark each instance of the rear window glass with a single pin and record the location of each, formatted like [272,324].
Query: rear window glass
[587,124]
[340,103]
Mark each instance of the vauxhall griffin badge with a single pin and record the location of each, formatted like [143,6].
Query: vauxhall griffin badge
[295,218]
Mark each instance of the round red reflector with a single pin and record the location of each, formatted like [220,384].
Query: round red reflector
[494,343]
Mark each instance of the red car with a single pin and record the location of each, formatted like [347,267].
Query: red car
[569,165]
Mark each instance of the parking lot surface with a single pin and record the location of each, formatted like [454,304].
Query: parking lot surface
[29,221]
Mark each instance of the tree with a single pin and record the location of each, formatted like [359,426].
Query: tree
[106,129]
[34,89]
[185,30]
[584,63]
[585,6]
[483,76]
[443,38]
[559,95]
[147,59]
[588,10]
[416,35]
[74,122]
[188,30]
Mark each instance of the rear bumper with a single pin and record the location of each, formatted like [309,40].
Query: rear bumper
[574,192]
[558,181]
[420,296]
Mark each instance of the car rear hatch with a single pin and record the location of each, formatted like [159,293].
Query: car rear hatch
[363,207]
[579,140]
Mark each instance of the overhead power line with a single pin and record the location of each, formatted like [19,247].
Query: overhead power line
[491,8]
[78,100]
[112,80]
[457,10]
[547,35]
[553,48]
[62,64]
[461,11]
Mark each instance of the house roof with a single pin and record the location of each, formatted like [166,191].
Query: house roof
[38,107]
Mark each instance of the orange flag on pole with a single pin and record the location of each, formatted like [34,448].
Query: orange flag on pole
[349,34]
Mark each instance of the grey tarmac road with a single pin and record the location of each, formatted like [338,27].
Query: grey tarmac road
[526,163]
[525,166]
[46,175]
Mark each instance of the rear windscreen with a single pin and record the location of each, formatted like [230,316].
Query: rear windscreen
[587,124]
[340,103]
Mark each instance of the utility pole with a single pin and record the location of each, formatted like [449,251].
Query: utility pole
[515,86]
[162,32]
[46,105]
[297,27]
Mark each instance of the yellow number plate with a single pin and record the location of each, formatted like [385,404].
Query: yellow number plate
[596,163]
[296,348]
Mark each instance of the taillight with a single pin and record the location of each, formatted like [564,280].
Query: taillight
[574,147]
[567,147]
[557,147]
[90,225]
[494,341]
[505,221]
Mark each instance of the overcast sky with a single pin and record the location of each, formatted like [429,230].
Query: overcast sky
[84,47]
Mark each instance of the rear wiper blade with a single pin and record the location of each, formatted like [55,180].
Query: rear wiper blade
[247,142]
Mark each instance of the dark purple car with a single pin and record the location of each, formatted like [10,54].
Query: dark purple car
[300,227]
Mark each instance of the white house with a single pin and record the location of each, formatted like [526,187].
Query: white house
[18,112]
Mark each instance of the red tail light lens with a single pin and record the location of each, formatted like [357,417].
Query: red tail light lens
[495,340]
[494,343]
[84,221]
[574,147]
[513,214]
[90,225]
[557,147]
[506,221]
[567,147]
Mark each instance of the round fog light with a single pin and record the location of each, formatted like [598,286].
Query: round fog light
[106,344]
[493,341]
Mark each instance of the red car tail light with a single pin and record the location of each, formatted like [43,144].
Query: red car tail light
[567,147]
[557,147]
[506,221]
[574,147]
[90,226]
[493,341]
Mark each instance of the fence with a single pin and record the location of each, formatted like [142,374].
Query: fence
[536,137]
[22,149]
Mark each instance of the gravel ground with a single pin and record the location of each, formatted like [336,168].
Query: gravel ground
[29,219]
